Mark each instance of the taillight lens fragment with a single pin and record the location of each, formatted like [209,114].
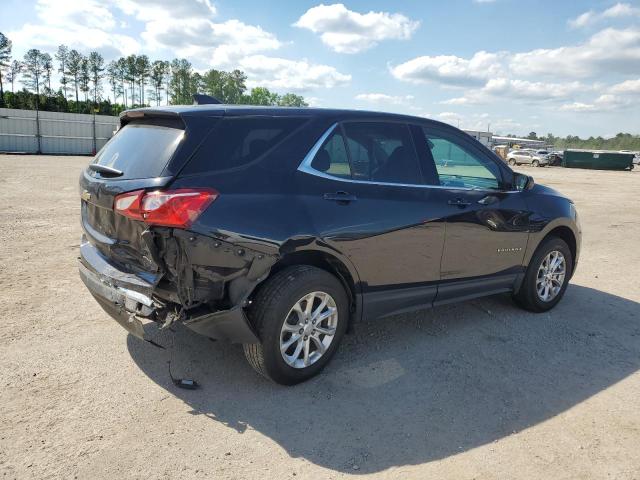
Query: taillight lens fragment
[172,208]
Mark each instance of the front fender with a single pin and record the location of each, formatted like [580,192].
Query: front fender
[537,236]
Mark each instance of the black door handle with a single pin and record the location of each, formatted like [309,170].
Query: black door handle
[340,197]
[459,202]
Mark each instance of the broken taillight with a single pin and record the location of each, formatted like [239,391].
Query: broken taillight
[172,208]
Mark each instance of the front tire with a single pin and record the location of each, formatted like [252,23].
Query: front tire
[535,163]
[300,315]
[547,276]
[512,162]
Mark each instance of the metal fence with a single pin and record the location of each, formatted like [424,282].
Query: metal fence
[28,131]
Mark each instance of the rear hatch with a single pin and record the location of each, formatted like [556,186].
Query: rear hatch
[145,154]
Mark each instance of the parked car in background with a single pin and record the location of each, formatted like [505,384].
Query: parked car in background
[636,157]
[277,228]
[555,158]
[526,157]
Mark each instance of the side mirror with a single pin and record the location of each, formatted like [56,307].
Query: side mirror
[522,182]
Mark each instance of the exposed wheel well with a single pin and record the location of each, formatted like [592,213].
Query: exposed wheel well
[326,262]
[566,234]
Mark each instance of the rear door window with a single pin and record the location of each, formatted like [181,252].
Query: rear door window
[237,141]
[140,150]
[382,152]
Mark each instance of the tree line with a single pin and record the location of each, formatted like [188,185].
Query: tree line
[129,82]
[622,141]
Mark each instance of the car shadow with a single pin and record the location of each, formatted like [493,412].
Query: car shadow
[419,387]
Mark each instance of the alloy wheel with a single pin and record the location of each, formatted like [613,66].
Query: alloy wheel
[551,275]
[309,329]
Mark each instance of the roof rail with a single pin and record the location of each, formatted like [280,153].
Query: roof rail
[200,99]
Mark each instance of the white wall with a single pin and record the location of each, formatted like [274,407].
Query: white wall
[60,133]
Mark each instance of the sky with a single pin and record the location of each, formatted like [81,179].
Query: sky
[511,66]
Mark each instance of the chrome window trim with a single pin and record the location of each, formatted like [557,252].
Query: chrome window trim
[305,167]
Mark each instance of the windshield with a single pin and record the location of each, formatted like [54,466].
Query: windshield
[140,150]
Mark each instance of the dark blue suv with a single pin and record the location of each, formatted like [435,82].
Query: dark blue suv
[278,228]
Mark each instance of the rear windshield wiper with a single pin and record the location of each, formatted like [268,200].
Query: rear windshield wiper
[106,171]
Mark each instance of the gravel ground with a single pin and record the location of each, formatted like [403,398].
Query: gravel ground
[475,390]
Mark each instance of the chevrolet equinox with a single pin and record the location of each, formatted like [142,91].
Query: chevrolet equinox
[278,228]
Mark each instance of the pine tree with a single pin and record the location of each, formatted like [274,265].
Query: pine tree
[62,55]
[5,59]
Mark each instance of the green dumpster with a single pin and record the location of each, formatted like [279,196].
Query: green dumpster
[597,159]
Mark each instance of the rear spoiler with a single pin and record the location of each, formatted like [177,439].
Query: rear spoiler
[154,117]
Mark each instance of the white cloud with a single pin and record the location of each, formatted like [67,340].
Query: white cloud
[458,101]
[82,25]
[449,117]
[346,31]
[384,98]
[449,69]
[604,103]
[218,44]
[89,13]
[619,10]
[515,89]
[147,10]
[285,74]
[608,51]
[185,28]
[577,107]
[524,89]
[616,97]
[188,28]
[554,77]
[314,101]
[583,19]
[627,87]
[479,121]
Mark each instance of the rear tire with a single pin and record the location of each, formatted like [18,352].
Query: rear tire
[282,313]
[538,277]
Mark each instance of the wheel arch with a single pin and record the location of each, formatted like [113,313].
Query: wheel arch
[562,231]
[565,233]
[332,264]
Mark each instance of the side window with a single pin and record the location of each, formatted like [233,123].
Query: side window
[458,167]
[332,158]
[382,152]
[236,141]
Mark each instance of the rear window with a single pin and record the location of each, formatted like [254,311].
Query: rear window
[238,141]
[139,150]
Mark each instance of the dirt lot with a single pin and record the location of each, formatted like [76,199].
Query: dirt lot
[476,390]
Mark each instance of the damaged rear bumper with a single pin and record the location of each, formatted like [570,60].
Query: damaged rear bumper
[129,298]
